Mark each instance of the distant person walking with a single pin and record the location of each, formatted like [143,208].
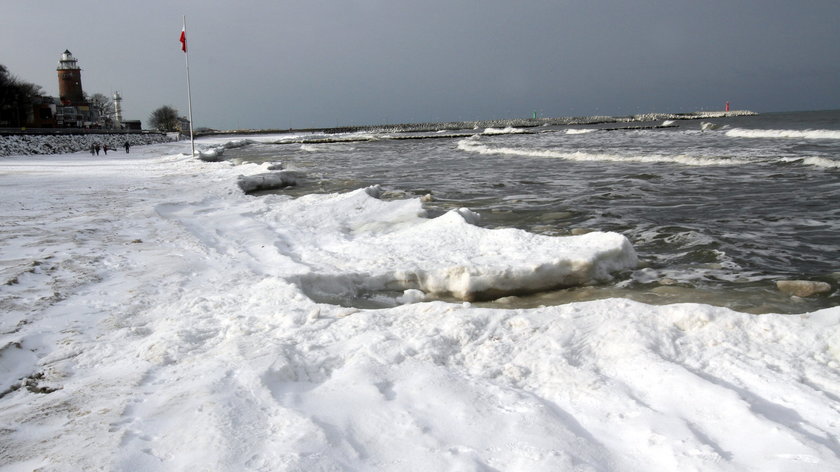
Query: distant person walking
[105,148]
[92,149]
[127,145]
[96,146]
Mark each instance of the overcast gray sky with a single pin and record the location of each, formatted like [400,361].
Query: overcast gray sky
[318,63]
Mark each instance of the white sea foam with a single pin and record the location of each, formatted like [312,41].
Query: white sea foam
[237,143]
[507,130]
[580,131]
[815,161]
[784,133]
[328,147]
[475,146]
[708,126]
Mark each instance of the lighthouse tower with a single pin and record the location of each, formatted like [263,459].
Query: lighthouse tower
[118,110]
[69,80]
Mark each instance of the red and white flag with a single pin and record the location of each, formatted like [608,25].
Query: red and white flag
[184,39]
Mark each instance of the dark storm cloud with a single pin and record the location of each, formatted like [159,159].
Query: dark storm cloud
[323,63]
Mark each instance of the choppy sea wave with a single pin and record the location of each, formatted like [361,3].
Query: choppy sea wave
[507,130]
[472,145]
[714,218]
[784,133]
[815,161]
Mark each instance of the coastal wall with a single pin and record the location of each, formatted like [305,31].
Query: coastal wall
[27,144]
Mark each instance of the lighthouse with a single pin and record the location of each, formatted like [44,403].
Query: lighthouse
[118,110]
[69,80]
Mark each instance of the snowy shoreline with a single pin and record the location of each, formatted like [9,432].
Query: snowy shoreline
[157,315]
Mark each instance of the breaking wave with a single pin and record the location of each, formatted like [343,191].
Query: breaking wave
[507,130]
[784,133]
[816,162]
[475,146]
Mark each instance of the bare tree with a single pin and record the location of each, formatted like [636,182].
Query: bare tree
[164,118]
[104,108]
[16,99]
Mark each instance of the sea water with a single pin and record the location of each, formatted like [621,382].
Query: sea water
[718,210]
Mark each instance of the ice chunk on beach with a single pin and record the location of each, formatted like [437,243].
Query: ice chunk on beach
[343,244]
[213,154]
[268,181]
[471,263]
[216,152]
[358,242]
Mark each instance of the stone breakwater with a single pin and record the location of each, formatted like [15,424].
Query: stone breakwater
[27,144]
[535,122]
[500,123]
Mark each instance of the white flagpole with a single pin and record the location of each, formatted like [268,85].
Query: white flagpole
[189,93]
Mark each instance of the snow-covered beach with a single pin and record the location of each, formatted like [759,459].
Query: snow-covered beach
[157,318]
